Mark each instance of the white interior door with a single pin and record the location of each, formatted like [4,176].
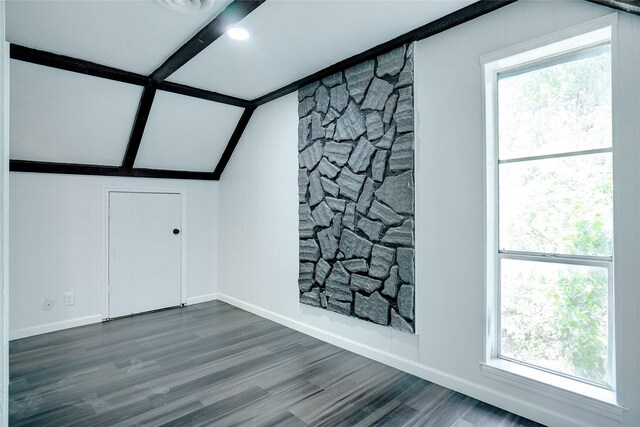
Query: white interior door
[145,252]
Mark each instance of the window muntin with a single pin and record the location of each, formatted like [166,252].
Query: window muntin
[554,214]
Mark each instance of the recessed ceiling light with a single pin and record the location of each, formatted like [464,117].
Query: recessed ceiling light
[238,33]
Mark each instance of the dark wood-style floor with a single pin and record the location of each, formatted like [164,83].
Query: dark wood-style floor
[214,364]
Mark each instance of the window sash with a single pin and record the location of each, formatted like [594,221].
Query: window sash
[589,261]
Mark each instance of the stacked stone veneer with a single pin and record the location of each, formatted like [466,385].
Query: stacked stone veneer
[356,191]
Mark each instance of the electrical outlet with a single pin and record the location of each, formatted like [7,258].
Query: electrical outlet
[48,304]
[69,298]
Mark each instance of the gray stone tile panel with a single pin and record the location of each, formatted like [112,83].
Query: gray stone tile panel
[303,185]
[349,219]
[358,78]
[330,187]
[374,125]
[390,288]
[377,95]
[337,205]
[358,265]
[339,307]
[328,244]
[382,258]
[337,284]
[305,276]
[374,308]
[364,201]
[361,157]
[354,246]
[389,109]
[316,193]
[399,323]
[364,283]
[384,213]
[304,133]
[373,229]
[350,126]
[387,140]
[311,156]
[327,168]
[402,153]
[337,153]
[339,98]
[404,116]
[397,193]
[330,118]
[322,99]
[402,235]
[306,106]
[405,259]
[307,90]
[333,80]
[309,250]
[350,184]
[379,165]
[406,75]
[311,298]
[317,131]
[391,63]
[336,225]
[322,271]
[406,301]
[307,223]
[322,214]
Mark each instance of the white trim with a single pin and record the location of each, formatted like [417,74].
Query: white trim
[591,398]
[552,44]
[577,393]
[106,191]
[489,395]
[55,326]
[202,298]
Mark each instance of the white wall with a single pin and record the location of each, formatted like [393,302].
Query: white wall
[258,217]
[58,245]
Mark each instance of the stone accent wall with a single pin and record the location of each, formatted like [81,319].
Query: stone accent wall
[356,191]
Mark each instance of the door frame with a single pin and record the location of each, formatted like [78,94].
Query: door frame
[106,191]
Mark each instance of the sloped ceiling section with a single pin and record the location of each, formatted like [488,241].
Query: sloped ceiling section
[130,88]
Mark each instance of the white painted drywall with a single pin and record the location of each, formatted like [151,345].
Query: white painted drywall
[4,222]
[57,245]
[258,217]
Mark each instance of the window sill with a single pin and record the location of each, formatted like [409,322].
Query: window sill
[576,393]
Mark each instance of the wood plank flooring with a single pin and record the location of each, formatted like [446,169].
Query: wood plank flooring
[214,364]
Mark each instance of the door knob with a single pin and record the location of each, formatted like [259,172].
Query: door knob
[176,231]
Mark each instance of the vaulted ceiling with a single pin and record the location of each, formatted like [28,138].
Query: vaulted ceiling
[131,88]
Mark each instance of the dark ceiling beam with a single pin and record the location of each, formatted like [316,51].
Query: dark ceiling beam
[631,6]
[79,169]
[231,15]
[203,94]
[144,108]
[451,20]
[75,65]
[233,141]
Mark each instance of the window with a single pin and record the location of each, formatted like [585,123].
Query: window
[550,208]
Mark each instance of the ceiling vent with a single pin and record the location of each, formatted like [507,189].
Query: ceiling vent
[188,6]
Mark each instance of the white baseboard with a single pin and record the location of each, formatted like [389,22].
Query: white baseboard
[52,327]
[202,298]
[477,391]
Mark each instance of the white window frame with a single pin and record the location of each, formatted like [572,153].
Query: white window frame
[568,389]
